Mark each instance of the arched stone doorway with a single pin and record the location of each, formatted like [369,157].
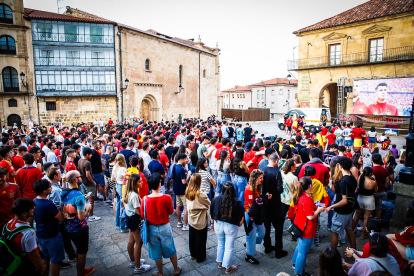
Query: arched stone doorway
[14,118]
[149,108]
[328,97]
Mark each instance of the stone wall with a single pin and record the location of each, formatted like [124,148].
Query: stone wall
[75,110]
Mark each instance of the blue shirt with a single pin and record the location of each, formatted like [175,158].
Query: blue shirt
[47,226]
[179,173]
[127,154]
[72,201]
[156,166]
[239,133]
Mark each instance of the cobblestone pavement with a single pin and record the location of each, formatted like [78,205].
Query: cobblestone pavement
[108,247]
[108,251]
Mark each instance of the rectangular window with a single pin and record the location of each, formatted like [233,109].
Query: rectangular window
[273,92]
[96,34]
[232,95]
[281,92]
[238,96]
[263,94]
[258,94]
[50,106]
[335,54]
[272,115]
[273,104]
[263,105]
[232,106]
[258,104]
[376,47]
[71,33]
[244,96]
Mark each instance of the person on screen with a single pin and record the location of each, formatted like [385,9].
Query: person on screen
[381,107]
[359,106]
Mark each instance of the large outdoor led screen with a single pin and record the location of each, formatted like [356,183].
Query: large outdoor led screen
[383,96]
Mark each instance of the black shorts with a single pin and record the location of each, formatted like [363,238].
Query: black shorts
[81,240]
[133,222]
[289,128]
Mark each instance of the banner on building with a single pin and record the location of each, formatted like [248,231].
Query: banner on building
[374,119]
[390,97]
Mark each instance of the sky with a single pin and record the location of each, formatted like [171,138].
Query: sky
[255,37]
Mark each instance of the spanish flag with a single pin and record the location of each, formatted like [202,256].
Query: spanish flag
[318,193]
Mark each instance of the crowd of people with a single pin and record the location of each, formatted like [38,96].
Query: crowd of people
[215,176]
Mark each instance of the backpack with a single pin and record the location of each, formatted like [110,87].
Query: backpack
[10,260]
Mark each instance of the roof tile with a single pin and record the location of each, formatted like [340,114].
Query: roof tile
[37,14]
[238,88]
[276,81]
[368,10]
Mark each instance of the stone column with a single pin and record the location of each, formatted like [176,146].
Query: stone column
[404,194]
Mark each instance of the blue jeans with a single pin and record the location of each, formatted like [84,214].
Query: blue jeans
[52,248]
[226,235]
[301,251]
[331,213]
[240,184]
[160,242]
[99,179]
[254,237]
[120,221]
[221,179]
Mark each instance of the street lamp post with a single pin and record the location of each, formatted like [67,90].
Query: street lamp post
[289,77]
[407,173]
[122,98]
[25,84]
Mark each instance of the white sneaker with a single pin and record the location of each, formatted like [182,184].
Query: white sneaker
[124,231]
[359,228]
[132,264]
[179,225]
[94,218]
[100,197]
[142,269]
[186,228]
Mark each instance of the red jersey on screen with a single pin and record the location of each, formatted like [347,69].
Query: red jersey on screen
[382,109]
[7,196]
[360,107]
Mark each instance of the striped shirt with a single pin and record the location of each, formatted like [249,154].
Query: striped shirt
[205,181]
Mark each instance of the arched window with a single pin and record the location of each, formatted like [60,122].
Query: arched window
[180,74]
[10,80]
[7,45]
[204,73]
[6,15]
[12,103]
[147,64]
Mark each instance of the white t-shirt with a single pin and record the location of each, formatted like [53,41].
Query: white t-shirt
[45,149]
[101,123]
[120,175]
[347,131]
[382,138]
[51,157]
[212,160]
[372,134]
[133,203]
[29,237]
[146,157]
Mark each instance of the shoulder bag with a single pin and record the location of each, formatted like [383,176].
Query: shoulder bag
[143,226]
[294,230]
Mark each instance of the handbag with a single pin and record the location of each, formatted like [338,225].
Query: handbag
[143,226]
[294,230]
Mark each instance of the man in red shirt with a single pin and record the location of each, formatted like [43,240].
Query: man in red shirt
[6,163]
[383,181]
[110,122]
[331,137]
[322,171]
[359,133]
[27,176]
[250,155]
[226,146]
[17,160]
[9,192]
[381,107]
[324,130]
[163,157]
[70,164]
[289,123]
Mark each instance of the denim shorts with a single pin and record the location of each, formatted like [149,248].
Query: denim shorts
[99,179]
[372,140]
[160,242]
[52,248]
[341,223]
[410,252]
[349,143]
[133,222]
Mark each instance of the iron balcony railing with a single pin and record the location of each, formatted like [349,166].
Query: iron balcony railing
[49,36]
[393,54]
[9,87]
[10,51]
[50,61]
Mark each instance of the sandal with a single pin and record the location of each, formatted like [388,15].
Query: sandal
[179,272]
[232,269]
[219,265]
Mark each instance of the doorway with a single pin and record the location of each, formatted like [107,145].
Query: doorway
[145,106]
[14,118]
[329,98]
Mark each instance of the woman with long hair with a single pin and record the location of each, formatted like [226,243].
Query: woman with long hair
[188,147]
[223,166]
[306,213]
[227,214]
[387,156]
[290,185]
[241,174]
[197,208]
[289,150]
[132,203]
[181,149]
[372,134]
[390,166]
[194,158]
[253,190]
[298,164]
[357,163]
[118,176]
[404,241]
[367,186]
[112,183]
[206,178]
[330,262]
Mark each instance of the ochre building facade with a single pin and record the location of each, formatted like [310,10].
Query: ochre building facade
[375,43]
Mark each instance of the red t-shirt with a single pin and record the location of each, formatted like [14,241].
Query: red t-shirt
[348,154]
[17,162]
[26,178]
[158,209]
[381,174]
[251,156]
[358,132]
[164,160]
[324,131]
[392,250]
[382,109]
[70,166]
[58,153]
[249,196]
[7,196]
[110,122]
[306,207]
[176,134]
[9,167]
[52,130]
[289,122]
[331,138]
[322,172]
[217,156]
[406,237]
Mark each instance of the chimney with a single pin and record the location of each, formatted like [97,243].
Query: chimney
[68,10]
